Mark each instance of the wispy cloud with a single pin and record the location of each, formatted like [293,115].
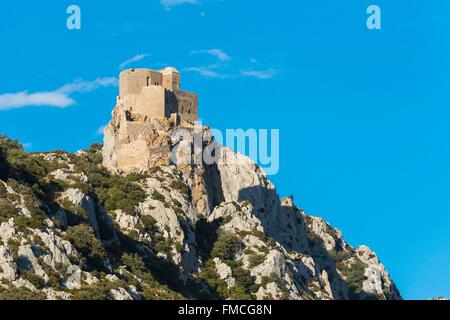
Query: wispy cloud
[226,68]
[207,72]
[134,59]
[24,99]
[172,3]
[59,98]
[100,130]
[218,53]
[259,74]
[88,86]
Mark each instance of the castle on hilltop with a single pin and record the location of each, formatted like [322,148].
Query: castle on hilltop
[157,94]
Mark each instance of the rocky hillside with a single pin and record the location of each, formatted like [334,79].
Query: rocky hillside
[73,226]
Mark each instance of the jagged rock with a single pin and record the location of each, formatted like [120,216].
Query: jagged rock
[225,272]
[125,221]
[28,261]
[112,278]
[62,217]
[274,263]
[86,202]
[270,291]
[20,282]
[74,280]
[326,233]
[59,249]
[132,291]
[120,294]
[7,187]
[52,294]
[7,231]
[378,281]
[7,264]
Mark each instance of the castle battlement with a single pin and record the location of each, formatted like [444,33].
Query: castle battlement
[157,94]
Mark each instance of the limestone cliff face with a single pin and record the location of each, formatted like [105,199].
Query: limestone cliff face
[287,253]
[129,221]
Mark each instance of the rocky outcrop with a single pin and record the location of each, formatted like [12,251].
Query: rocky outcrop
[141,219]
[85,202]
[8,268]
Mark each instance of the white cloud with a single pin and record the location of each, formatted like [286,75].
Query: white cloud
[218,53]
[58,98]
[136,58]
[264,74]
[207,72]
[223,68]
[25,99]
[171,3]
[88,86]
[220,72]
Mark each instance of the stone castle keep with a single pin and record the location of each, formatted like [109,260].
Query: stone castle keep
[157,94]
[149,106]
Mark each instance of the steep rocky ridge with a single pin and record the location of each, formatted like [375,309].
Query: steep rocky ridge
[80,226]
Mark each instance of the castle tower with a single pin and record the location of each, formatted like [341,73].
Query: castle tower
[157,94]
[171,78]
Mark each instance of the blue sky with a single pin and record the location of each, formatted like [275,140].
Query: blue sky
[363,115]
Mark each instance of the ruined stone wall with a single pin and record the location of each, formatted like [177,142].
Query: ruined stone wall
[156,94]
[132,81]
[187,105]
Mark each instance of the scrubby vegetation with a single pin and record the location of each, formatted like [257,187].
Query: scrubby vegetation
[133,253]
[13,293]
[83,239]
[226,247]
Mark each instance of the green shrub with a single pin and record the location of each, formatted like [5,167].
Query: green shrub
[7,210]
[264,249]
[354,275]
[93,292]
[180,186]
[134,263]
[177,203]
[3,190]
[157,291]
[163,246]
[83,238]
[34,279]
[240,293]
[13,293]
[244,279]
[158,196]
[211,277]
[226,219]
[149,224]
[226,246]
[23,223]
[17,164]
[255,260]
[125,197]
[265,280]
[135,177]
